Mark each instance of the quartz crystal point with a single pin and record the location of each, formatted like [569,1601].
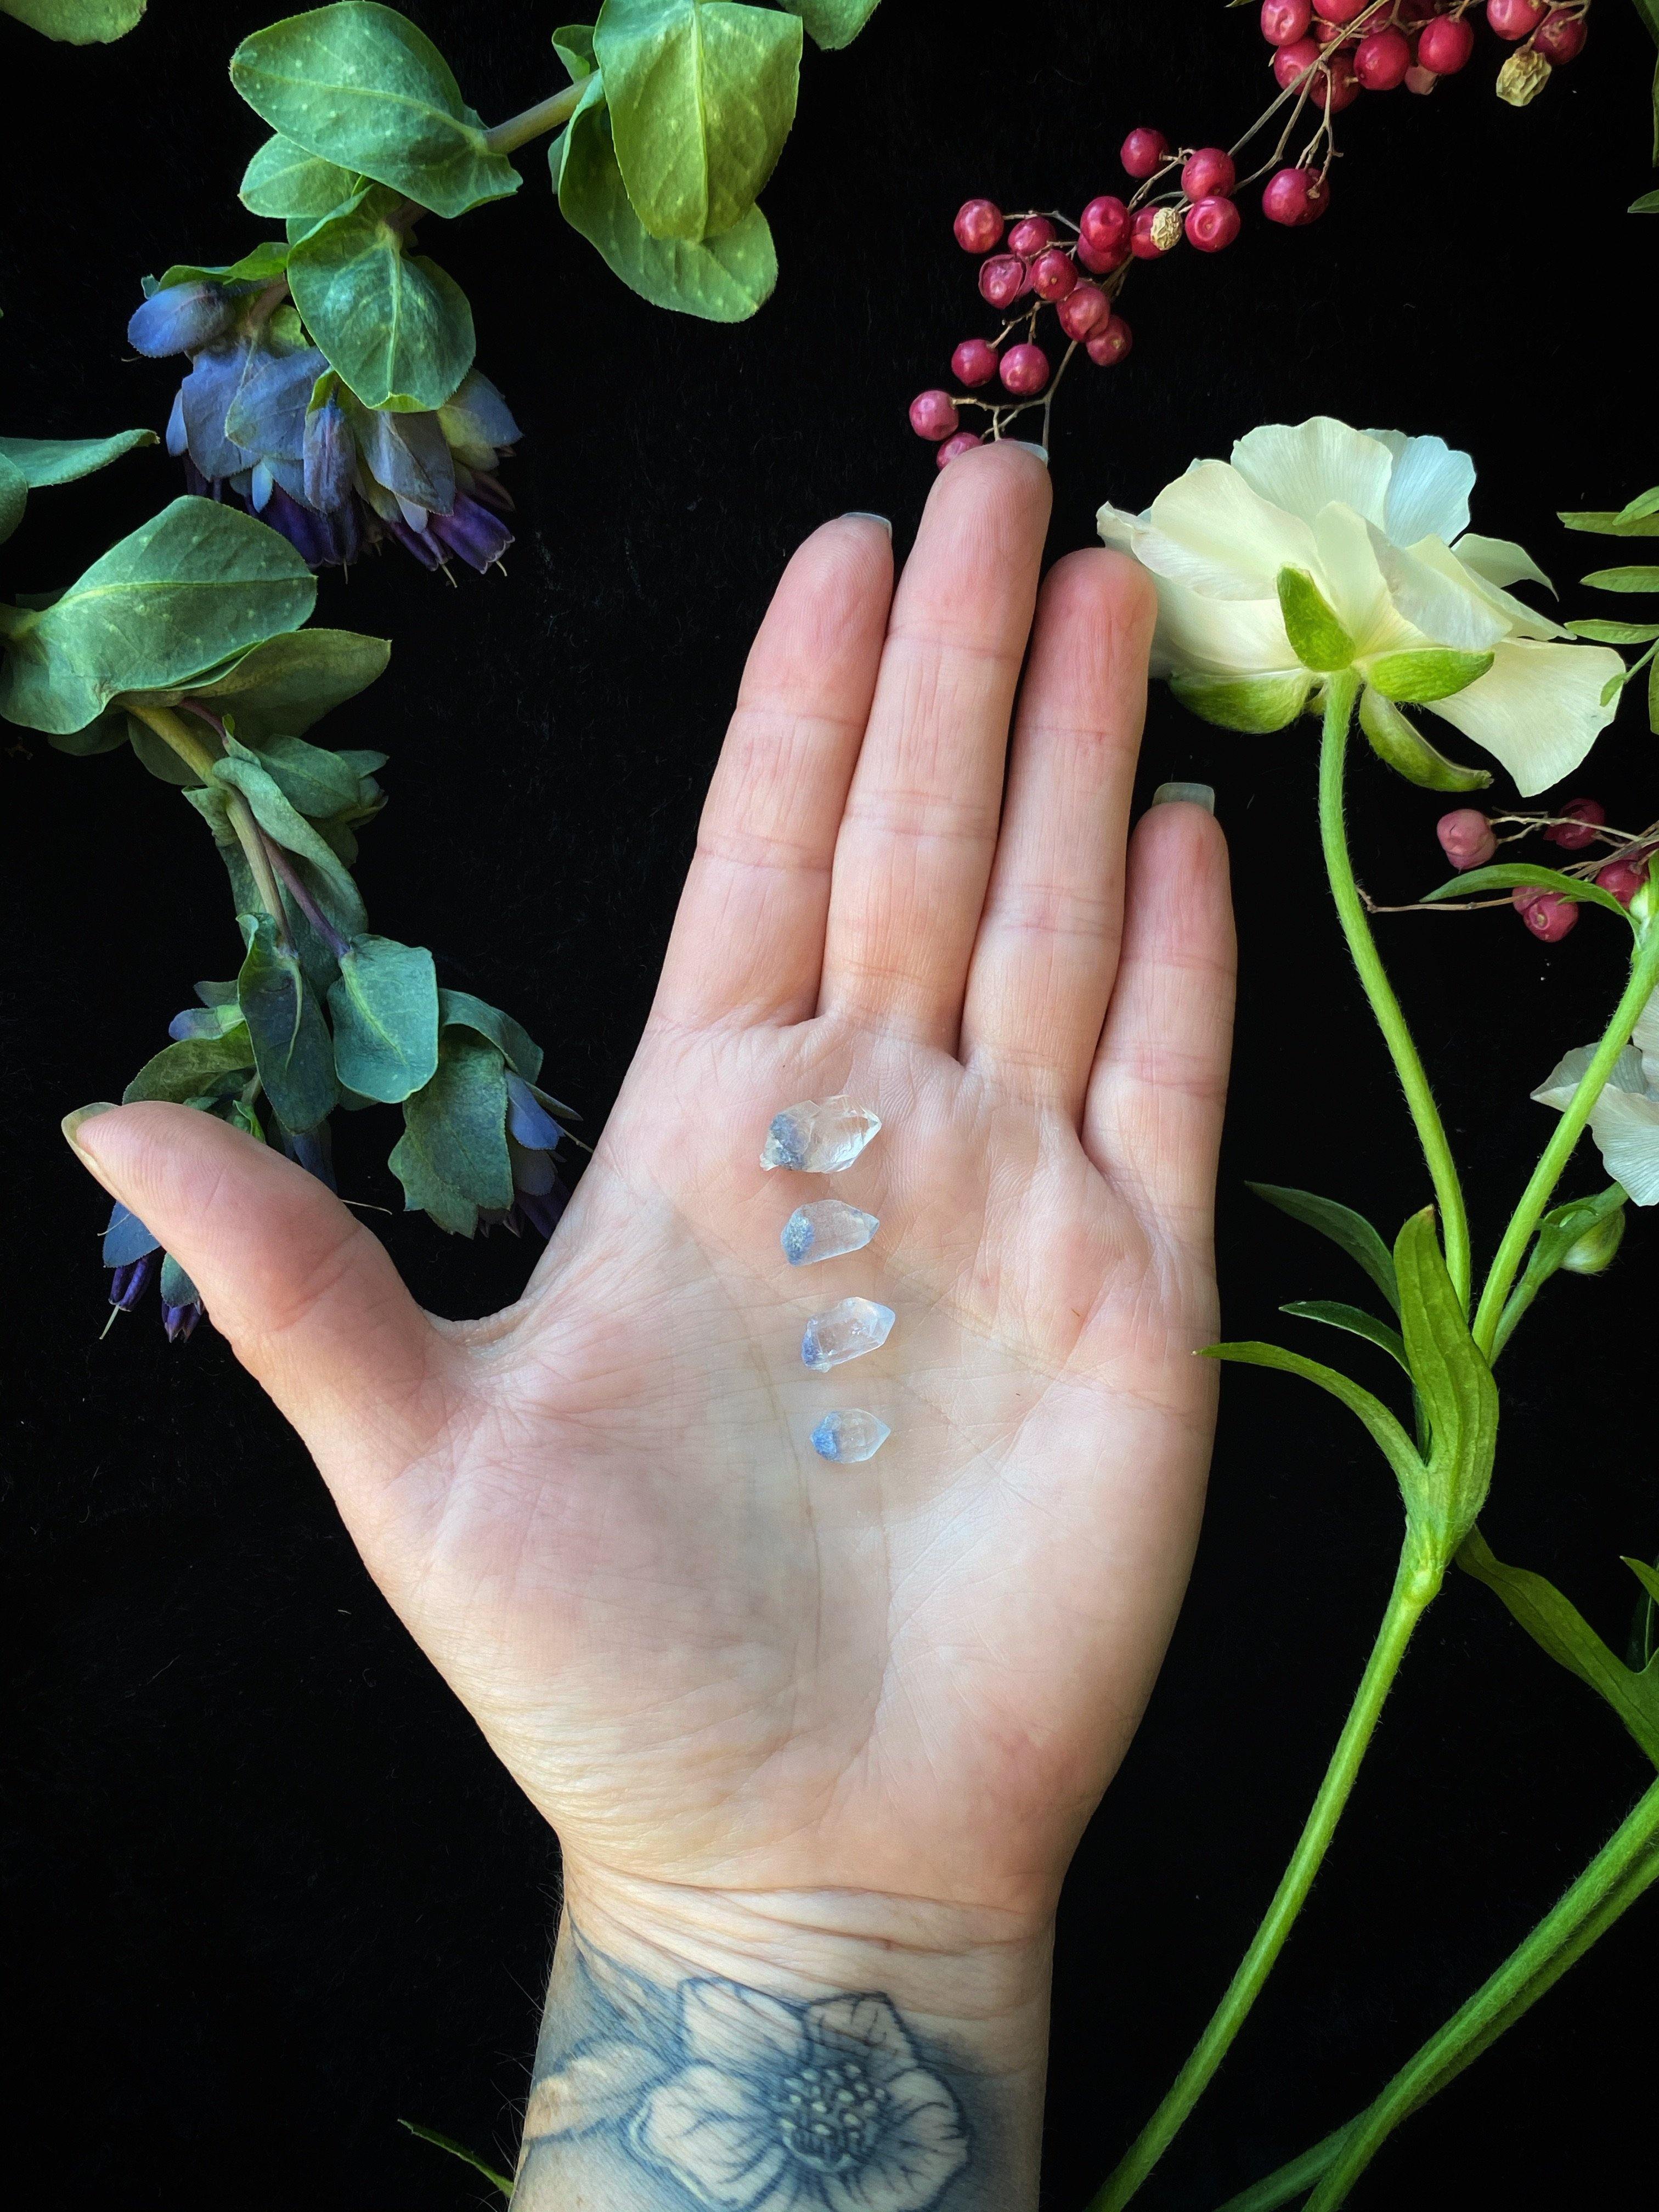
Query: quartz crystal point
[849,1435]
[824,1230]
[820,1136]
[847,1332]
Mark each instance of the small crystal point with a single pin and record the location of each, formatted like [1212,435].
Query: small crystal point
[820,1136]
[847,1332]
[849,1435]
[824,1230]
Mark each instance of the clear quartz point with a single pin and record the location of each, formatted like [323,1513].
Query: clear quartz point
[849,1435]
[820,1136]
[847,1332]
[824,1230]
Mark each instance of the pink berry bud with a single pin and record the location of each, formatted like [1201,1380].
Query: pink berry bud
[1335,85]
[1209,170]
[1103,259]
[1515,19]
[1053,274]
[1466,837]
[1547,914]
[1624,879]
[1382,60]
[933,415]
[1108,347]
[1104,223]
[1342,11]
[1294,197]
[1030,236]
[1213,223]
[1560,37]
[1084,310]
[1283,21]
[963,442]
[978,226]
[1445,45]
[1146,233]
[974,361]
[1144,151]
[1584,817]
[1002,279]
[1024,370]
[1292,62]
[1420,79]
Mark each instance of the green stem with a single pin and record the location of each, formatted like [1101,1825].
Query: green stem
[546,115]
[173,731]
[1341,692]
[1644,981]
[1415,1586]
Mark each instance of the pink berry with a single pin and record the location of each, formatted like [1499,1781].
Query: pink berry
[1420,79]
[1547,914]
[1382,60]
[1084,310]
[1445,45]
[974,361]
[1624,879]
[1466,837]
[1142,243]
[1144,151]
[1109,346]
[1102,260]
[1030,236]
[1584,817]
[1104,223]
[1342,11]
[1212,222]
[1283,21]
[933,415]
[1053,274]
[978,226]
[1024,370]
[1560,37]
[1209,170]
[1291,62]
[963,442]
[1335,85]
[1002,279]
[1515,19]
[1294,197]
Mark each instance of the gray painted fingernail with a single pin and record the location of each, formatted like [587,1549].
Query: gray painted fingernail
[1192,795]
[864,514]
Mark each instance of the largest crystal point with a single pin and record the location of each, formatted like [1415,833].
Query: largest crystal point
[824,1230]
[849,1435]
[846,1332]
[820,1136]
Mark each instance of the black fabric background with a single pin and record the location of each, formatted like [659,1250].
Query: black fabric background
[268,1890]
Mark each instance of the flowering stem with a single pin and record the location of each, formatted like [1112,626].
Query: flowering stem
[1341,691]
[1415,1585]
[546,115]
[175,731]
[1644,981]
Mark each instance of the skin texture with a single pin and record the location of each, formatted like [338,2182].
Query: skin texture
[820,1727]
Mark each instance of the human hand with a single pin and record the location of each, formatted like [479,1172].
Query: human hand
[772,1703]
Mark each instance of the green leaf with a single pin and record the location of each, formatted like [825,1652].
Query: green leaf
[1623,580]
[1454,1383]
[42,461]
[461,1009]
[1346,1228]
[1511,875]
[701,95]
[291,1047]
[315,782]
[1402,747]
[1643,1646]
[283,180]
[1610,522]
[1434,672]
[196,583]
[574,44]
[452,1158]
[1256,703]
[174,1286]
[397,326]
[360,86]
[77,22]
[1386,1432]
[385,1006]
[1317,638]
[1615,632]
[340,900]
[191,1067]
[1644,503]
[106,735]
[1354,1319]
[459,2150]
[286,683]
[1560,1629]
[13,497]
[1648,202]
[262,264]
[723,280]
[832,23]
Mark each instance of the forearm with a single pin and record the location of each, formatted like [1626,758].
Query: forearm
[817,2053]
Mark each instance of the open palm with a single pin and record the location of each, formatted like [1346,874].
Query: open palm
[713,1659]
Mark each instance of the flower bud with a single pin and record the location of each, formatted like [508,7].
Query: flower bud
[1567,831]
[181,318]
[1594,1250]
[1548,914]
[1523,76]
[1466,837]
[331,455]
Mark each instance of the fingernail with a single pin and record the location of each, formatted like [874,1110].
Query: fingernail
[863,514]
[70,1124]
[1191,794]
[1026,446]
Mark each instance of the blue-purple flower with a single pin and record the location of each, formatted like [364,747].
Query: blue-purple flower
[137,1260]
[540,1193]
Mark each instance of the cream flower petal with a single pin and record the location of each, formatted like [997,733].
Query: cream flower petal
[863,2026]
[1208,530]
[1429,490]
[1304,466]
[1356,582]
[1626,1131]
[1219,637]
[713,2134]
[727,2025]
[1645,1038]
[923,2148]
[1558,1086]
[1442,603]
[1516,615]
[1499,560]
[1538,709]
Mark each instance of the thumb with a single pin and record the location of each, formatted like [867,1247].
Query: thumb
[309,1300]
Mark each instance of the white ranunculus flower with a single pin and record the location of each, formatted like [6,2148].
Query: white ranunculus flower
[1379,522]
[1624,1120]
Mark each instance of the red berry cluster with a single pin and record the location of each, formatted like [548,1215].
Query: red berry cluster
[1469,839]
[1323,57]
